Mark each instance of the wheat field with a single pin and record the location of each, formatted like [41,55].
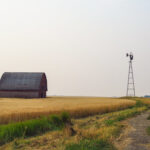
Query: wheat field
[13,110]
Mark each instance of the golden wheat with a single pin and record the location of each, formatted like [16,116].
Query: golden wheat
[13,110]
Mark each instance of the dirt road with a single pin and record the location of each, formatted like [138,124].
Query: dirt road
[134,137]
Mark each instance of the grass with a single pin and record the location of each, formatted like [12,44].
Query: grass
[32,127]
[91,145]
[16,110]
[124,115]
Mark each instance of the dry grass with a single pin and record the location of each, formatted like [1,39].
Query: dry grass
[13,110]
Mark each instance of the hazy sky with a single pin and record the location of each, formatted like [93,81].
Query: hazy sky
[80,44]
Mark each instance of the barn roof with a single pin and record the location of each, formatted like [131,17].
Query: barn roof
[21,81]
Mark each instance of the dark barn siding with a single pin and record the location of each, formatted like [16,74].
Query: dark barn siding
[20,94]
[23,85]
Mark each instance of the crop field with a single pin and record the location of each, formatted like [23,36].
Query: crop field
[14,110]
[69,123]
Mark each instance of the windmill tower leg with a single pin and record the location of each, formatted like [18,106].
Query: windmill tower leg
[130,84]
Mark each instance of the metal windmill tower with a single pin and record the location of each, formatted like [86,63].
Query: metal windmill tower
[131,84]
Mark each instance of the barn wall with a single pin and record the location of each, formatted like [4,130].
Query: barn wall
[19,94]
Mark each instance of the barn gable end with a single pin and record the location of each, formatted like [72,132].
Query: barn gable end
[23,85]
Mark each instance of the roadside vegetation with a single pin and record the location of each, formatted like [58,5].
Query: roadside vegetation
[105,130]
[89,133]
[32,127]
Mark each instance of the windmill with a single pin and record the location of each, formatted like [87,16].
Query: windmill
[130,84]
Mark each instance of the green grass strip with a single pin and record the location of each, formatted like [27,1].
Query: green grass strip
[32,127]
[122,115]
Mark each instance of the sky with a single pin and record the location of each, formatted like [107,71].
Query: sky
[79,44]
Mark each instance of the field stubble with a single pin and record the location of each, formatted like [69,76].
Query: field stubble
[14,110]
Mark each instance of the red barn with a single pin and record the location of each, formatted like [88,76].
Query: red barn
[23,85]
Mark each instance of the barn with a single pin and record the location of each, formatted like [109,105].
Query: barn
[23,85]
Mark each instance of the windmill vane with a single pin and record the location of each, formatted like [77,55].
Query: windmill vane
[130,56]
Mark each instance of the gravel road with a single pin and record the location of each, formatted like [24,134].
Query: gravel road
[135,136]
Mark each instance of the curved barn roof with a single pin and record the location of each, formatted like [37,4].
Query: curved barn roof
[21,81]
